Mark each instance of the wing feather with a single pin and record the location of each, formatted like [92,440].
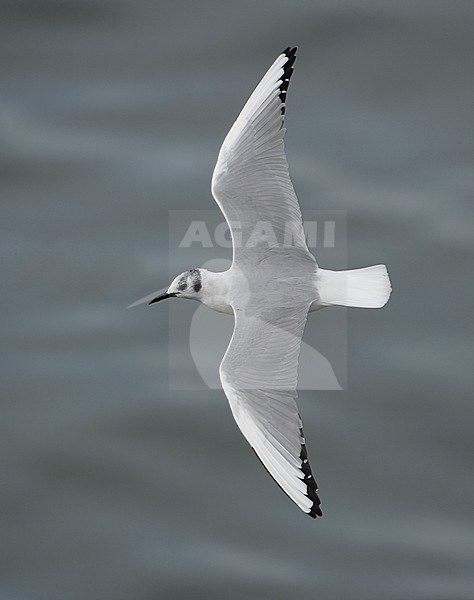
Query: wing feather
[258,374]
[251,182]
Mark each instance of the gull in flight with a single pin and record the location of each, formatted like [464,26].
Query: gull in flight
[271,286]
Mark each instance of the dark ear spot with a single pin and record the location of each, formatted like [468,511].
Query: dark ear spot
[196,280]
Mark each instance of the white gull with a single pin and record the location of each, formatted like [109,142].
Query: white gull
[271,286]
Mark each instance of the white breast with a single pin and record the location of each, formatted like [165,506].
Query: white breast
[216,291]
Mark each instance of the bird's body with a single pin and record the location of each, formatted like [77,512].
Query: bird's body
[281,278]
[272,285]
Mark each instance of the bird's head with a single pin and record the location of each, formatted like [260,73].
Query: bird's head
[186,285]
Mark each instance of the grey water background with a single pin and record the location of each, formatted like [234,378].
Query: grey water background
[115,487]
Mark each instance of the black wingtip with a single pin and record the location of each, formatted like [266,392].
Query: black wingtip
[315,510]
[290,53]
[309,480]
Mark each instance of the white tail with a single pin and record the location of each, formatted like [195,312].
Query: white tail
[364,288]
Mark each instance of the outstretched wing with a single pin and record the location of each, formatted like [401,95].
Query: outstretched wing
[259,374]
[251,183]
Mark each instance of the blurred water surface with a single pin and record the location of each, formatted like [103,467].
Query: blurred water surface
[112,114]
